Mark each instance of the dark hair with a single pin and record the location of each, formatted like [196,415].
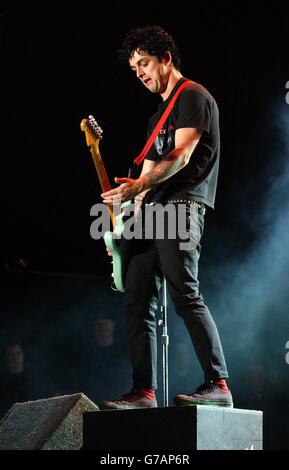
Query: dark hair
[151,39]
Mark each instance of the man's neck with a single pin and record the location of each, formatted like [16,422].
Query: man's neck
[174,77]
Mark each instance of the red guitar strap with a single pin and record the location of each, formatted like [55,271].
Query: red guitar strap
[160,123]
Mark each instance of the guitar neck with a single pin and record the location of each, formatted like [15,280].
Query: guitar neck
[101,172]
[102,176]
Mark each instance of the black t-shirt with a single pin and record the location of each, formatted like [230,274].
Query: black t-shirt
[194,107]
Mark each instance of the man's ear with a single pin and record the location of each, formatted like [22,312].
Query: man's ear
[167,58]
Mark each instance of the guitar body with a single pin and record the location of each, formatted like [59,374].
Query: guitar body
[113,240]
[114,246]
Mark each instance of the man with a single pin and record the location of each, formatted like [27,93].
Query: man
[15,385]
[181,169]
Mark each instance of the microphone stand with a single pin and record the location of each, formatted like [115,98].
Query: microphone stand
[165,344]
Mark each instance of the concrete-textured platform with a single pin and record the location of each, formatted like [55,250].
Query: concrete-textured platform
[173,428]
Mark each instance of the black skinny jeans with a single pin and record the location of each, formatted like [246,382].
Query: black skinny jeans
[151,260]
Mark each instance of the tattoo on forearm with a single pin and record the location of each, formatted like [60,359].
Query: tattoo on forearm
[170,165]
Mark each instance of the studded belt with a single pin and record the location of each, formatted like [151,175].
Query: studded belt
[200,205]
[184,201]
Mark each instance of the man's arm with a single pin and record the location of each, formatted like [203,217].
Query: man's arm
[186,140]
[148,166]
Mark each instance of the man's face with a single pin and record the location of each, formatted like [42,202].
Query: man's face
[152,72]
[15,358]
[104,331]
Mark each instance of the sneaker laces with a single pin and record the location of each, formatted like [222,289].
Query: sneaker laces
[206,387]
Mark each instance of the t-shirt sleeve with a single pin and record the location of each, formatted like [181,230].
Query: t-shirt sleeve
[194,110]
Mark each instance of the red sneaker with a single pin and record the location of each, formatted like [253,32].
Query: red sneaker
[207,394]
[129,401]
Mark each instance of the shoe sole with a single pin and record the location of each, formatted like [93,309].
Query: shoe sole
[105,407]
[184,402]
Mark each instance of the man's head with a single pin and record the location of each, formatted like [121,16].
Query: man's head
[15,358]
[153,40]
[103,330]
[151,53]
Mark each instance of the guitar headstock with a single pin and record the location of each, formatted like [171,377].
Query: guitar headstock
[93,132]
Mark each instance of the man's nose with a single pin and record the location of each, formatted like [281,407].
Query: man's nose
[139,73]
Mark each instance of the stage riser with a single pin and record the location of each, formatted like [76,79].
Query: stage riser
[173,428]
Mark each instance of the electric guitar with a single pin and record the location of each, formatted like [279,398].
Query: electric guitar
[93,134]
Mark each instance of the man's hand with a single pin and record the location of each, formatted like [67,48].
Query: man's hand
[127,190]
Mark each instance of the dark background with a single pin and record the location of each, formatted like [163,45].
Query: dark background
[59,64]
